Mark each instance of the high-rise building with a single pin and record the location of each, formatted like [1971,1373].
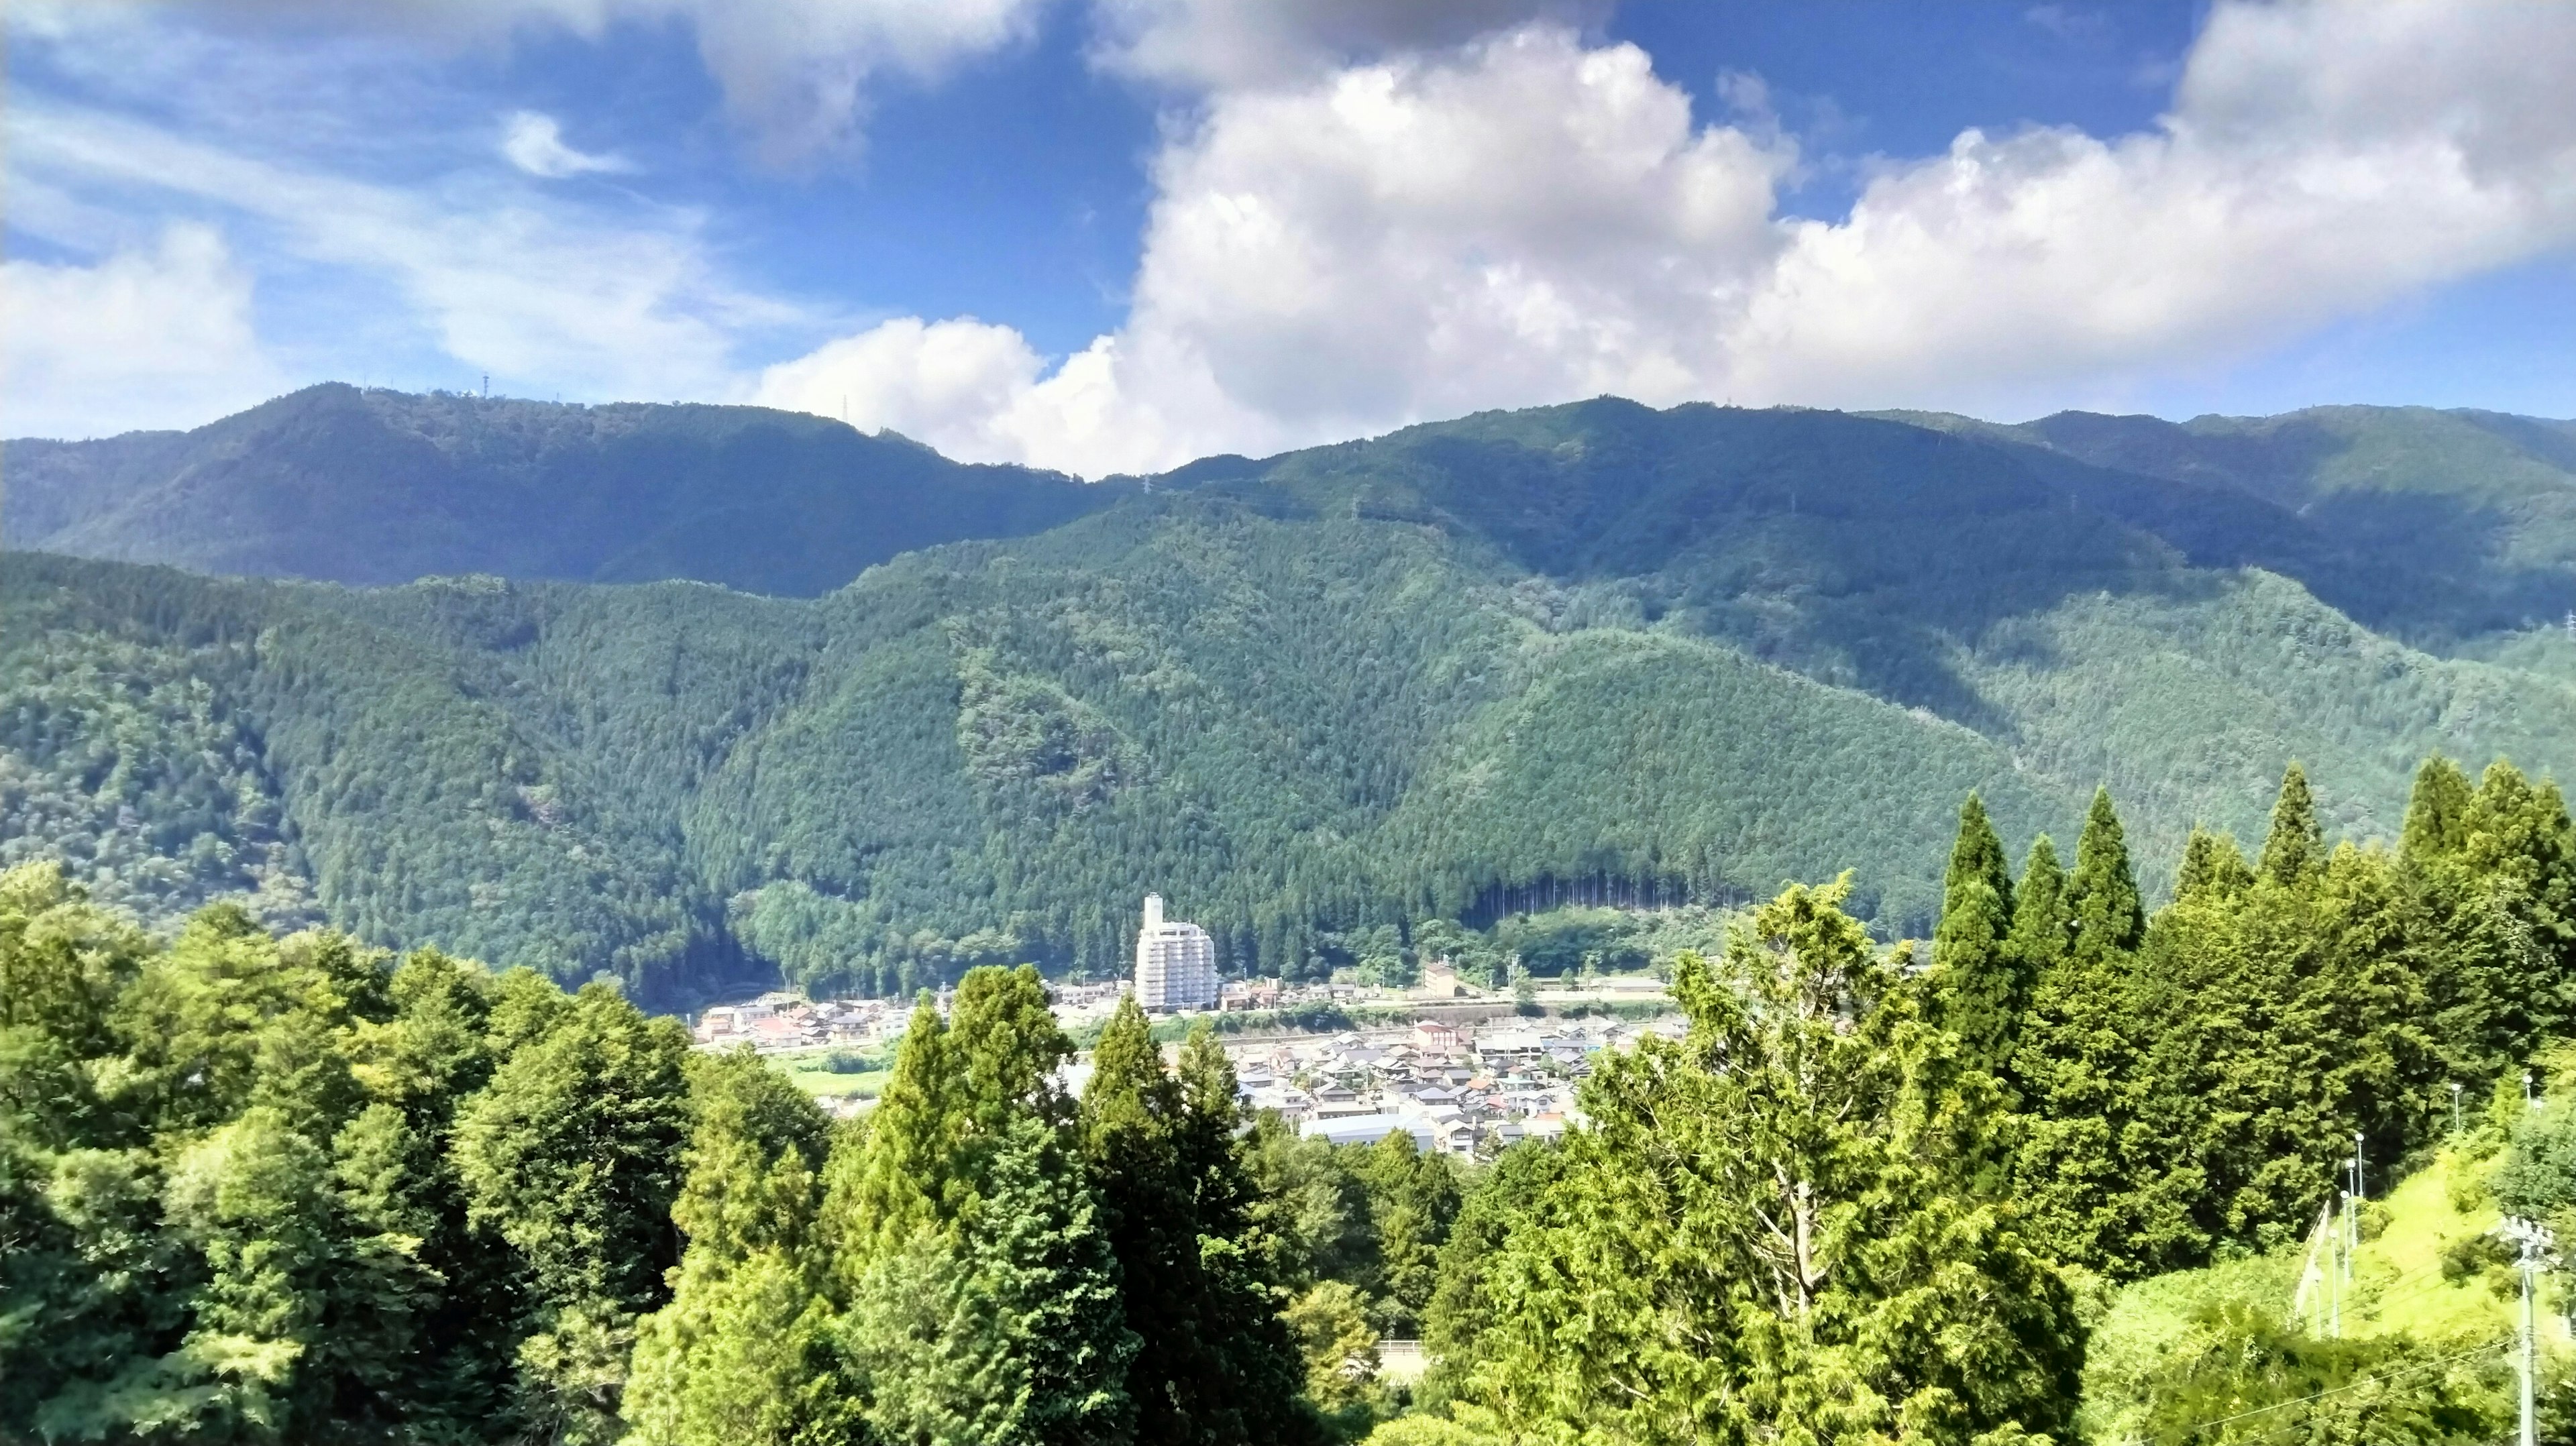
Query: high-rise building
[1175,962]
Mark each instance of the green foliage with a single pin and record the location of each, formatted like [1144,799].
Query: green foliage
[1980,986]
[1215,1362]
[570,1155]
[258,1188]
[374,486]
[1789,1241]
[2205,1355]
[263,1189]
[1466,672]
[745,1349]
[1340,1346]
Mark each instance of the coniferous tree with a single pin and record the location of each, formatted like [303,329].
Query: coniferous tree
[1980,987]
[2110,918]
[2437,811]
[2043,920]
[981,1294]
[2496,873]
[1213,1364]
[572,1155]
[2211,865]
[904,1174]
[1771,1228]
[2294,852]
[745,1349]
[2076,1054]
[1413,1200]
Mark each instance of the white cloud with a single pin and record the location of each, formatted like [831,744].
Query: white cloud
[148,337]
[2320,160]
[796,73]
[945,383]
[534,143]
[1240,44]
[503,278]
[1528,218]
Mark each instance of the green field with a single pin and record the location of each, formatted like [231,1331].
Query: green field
[820,1072]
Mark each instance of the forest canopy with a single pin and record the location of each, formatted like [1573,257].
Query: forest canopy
[263,1188]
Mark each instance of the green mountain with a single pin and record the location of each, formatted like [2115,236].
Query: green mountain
[1584,653]
[2463,522]
[371,487]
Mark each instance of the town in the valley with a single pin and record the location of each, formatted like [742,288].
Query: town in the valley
[1466,1071]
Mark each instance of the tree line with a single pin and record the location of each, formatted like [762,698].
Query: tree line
[287,1189]
[257,1188]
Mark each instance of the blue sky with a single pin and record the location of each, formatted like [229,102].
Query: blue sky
[1111,234]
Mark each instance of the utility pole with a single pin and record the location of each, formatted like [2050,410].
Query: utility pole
[2534,1242]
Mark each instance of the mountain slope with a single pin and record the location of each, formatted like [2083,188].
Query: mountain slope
[1583,652]
[2463,522]
[373,487]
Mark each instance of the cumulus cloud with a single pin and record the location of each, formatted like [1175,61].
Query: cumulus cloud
[1528,217]
[534,143]
[946,383]
[150,336]
[2320,160]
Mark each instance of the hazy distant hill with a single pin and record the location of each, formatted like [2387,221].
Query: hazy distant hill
[1584,651]
[372,487]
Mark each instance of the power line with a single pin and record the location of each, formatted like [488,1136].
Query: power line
[2353,1385]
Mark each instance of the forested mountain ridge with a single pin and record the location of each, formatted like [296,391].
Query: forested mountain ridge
[372,487]
[2475,510]
[1593,651]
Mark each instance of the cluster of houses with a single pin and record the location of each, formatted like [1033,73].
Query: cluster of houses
[776,1022]
[1457,1089]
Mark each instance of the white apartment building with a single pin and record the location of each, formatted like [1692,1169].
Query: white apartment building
[1175,962]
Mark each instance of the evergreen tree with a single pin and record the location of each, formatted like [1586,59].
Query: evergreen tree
[1214,1364]
[1413,1200]
[572,1155]
[981,1293]
[1979,987]
[1009,1046]
[2043,919]
[1769,1230]
[2500,892]
[1514,1194]
[2437,811]
[2110,919]
[906,1172]
[2211,865]
[2076,1052]
[2294,852]
[745,1350]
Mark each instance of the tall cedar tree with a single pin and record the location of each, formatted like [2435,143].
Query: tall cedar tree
[1980,987]
[2495,870]
[1770,1230]
[2212,866]
[744,1352]
[1214,1367]
[2294,852]
[2076,1052]
[980,1292]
